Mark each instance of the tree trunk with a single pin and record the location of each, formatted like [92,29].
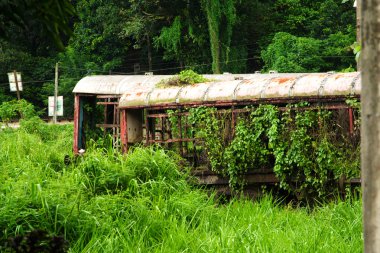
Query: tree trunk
[149,52]
[370,141]
[358,27]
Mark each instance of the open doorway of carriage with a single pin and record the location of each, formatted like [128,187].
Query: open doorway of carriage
[96,118]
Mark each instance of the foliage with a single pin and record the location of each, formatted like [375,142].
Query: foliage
[185,77]
[288,53]
[170,37]
[53,15]
[106,202]
[209,127]
[356,48]
[164,36]
[306,155]
[16,108]
[221,18]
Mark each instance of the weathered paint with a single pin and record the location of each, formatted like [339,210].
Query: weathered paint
[164,95]
[259,86]
[279,86]
[308,85]
[340,84]
[193,93]
[221,91]
[142,91]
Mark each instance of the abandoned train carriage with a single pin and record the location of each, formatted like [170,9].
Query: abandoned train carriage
[136,109]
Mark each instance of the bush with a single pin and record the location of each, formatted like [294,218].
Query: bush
[291,54]
[16,109]
[185,77]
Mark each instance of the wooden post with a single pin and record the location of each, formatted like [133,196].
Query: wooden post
[370,129]
[55,94]
[16,81]
[76,124]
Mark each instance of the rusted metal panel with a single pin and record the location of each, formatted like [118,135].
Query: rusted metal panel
[134,125]
[123,131]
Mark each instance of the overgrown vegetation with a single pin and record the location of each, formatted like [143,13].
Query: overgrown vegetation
[308,149]
[144,202]
[185,77]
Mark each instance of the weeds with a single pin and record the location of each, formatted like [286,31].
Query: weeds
[142,202]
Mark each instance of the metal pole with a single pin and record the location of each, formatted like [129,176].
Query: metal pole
[370,129]
[55,94]
[16,81]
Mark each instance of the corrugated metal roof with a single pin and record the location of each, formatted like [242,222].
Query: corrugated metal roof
[142,90]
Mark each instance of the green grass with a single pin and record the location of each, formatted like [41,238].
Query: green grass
[105,202]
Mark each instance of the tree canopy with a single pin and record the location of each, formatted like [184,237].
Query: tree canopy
[167,36]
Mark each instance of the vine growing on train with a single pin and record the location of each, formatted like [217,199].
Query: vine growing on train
[308,149]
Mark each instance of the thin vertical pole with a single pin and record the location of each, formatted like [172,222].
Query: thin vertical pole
[55,94]
[16,81]
[147,126]
[76,123]
[180,132]
[351,120]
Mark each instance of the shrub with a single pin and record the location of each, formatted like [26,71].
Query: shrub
[185,77]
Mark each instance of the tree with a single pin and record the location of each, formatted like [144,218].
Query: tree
[221,17]
[288,53]
[370,141]
[141,18]
[54,16]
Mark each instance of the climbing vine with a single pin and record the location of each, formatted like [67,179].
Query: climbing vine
[300,144]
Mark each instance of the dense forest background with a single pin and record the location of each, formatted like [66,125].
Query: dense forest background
[166,36]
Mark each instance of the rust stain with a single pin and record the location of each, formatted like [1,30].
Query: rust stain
[284,79]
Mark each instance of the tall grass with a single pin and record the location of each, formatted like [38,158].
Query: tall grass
[142,202]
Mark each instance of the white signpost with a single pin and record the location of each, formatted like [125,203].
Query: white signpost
[59,107]
[15,83]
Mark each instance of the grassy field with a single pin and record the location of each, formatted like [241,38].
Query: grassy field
[105,202]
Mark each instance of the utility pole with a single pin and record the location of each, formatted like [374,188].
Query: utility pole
[55,94]
[370,129]
[16,81]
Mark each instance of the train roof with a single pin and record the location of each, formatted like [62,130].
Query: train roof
[145,90]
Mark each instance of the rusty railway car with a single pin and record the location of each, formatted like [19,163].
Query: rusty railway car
[135,109]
